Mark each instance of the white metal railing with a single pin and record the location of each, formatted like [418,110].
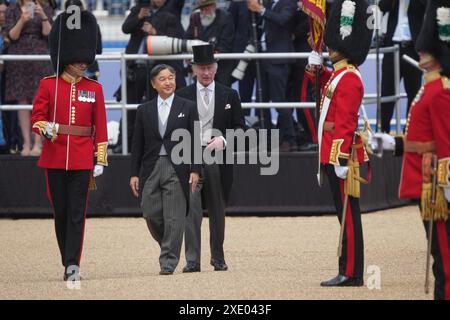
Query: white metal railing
[124,106]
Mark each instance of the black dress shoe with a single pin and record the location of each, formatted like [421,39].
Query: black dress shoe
[74,276]
[166,272]
[191,267]
[219,265]
[343,281]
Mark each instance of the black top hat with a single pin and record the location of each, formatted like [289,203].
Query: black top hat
[434,37]
[76,45]
[203,54]
[347,31]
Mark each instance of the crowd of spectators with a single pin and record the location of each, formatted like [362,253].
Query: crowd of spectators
[280,27]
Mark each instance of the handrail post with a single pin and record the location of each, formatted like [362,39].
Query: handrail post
[397,89]
[123,76]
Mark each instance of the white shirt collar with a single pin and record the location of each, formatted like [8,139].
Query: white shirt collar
[169,100]
[211,86]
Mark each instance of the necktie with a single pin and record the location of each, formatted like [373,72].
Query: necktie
[165,112]
[206,96]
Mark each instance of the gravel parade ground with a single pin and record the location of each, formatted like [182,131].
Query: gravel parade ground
[268,258]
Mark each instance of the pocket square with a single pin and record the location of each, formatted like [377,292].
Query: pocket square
[181,115]
[228,106]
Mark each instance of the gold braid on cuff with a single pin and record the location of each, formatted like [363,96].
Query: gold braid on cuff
[443,172]
[335,153]
[41,126]
[102,153]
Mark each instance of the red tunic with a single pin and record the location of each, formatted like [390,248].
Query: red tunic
[80,103]
[343,114]
[427,123]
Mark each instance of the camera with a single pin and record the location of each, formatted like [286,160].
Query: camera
[239,72]
[160,45]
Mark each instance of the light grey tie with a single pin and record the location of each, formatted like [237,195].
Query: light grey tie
[165,112]
[206,97]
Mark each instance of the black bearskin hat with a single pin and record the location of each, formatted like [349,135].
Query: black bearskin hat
[347,29]
[434,38]
[77,45]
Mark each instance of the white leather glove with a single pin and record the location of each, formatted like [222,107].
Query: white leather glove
[216,143]
[341,171]
[315,59]
[98,170]
[49,129]
[447,194]
[388,141]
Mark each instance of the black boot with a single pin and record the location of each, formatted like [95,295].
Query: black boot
[343,281]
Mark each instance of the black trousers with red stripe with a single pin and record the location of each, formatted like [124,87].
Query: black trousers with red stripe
[440,251]
[68,192]
[351,262]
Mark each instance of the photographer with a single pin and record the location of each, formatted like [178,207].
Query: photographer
[146,18]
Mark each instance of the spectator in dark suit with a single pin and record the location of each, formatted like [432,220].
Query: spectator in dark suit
[242,37]
[146,20]
[215,26]
[405,21]
[300,88]
[174,7]
[277,24]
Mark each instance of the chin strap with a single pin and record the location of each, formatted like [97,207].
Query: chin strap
[58,58]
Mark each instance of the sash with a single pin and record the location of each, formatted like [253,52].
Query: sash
[330,88]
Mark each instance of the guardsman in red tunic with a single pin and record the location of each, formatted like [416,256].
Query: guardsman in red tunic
[348,40]
[69,111]
[427,134]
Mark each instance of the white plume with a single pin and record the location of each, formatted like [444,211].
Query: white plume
[347,11]
[443,17]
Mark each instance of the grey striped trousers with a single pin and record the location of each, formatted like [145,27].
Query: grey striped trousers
[164,208]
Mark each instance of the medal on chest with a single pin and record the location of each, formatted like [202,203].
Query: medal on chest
[86,96]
